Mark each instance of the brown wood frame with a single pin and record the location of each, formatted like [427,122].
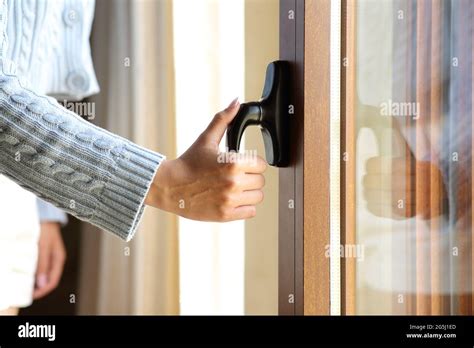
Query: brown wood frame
[348,141]
[304,230]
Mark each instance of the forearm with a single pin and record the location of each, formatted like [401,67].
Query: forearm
[82,169]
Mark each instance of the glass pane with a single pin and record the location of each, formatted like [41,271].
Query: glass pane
[408,129]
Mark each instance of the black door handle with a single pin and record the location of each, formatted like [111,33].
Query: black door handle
[271,113]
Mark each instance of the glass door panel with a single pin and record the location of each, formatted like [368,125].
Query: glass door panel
[407,167]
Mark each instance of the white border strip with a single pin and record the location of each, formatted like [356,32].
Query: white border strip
[334,159]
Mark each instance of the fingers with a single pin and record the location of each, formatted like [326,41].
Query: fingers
[216,129]
[387,182]
[42,270]
[386,211]
[51,258]
[253,182]
[389,187]
[253,197]
[248,164]
[244,212]
[386,197]
[49,279]
[57,266]
[255,165]
[386,165]
[244,190]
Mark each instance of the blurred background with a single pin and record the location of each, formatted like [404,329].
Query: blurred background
[165,67]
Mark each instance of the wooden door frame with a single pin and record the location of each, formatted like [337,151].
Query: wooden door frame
[304,225]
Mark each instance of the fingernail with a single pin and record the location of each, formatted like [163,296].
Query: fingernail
[233,103]
[41,280]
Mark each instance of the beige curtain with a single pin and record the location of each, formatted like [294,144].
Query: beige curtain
[133,57]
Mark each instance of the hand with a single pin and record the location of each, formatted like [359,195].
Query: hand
[390,189]
[199,186]
[51,258]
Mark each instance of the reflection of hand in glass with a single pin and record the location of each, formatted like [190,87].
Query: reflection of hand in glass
[51,258]
[392,190]
[199,186]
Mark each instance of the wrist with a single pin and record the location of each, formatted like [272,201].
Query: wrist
[49,223]
[158,195]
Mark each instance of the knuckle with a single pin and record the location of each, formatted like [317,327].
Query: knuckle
[230,183]
[219,116]
[223,213]
[226,200]
[232,167]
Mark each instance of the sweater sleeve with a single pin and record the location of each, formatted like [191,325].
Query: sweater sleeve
[49,213]
[82,169]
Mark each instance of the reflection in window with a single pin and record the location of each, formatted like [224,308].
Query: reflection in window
[411,130]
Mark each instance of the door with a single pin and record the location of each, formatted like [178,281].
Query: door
[375,209]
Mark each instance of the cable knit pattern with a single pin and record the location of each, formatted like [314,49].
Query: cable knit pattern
[49,43]
[87,171]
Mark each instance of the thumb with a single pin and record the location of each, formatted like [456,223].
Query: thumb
[216,129]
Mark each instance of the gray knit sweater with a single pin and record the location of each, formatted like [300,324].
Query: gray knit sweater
[88,172]
[85,170]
